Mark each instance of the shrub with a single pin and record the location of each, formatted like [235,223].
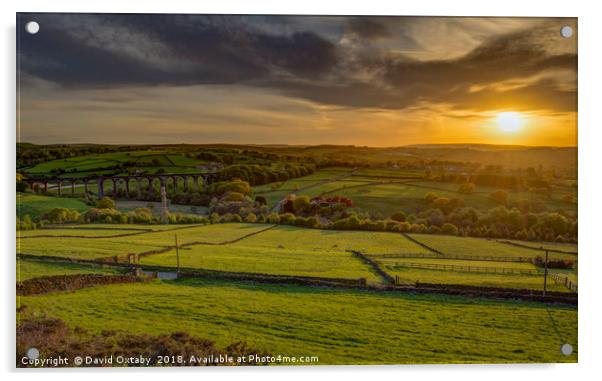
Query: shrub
[448,228]
[301,204]
[235,185]
[251,218]
[105,203]
[287,218]
[62,215]
[273,218]
[399,217]
[233,196]
[554,264]
[431,196]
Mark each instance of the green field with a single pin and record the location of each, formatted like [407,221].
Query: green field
[339,326]
[106,161]
[459,262]
[36,205]
[28,269]
[453,245]
[241,257]
[93,248]
[290,251]
[286,250]
[276,191]
[409,275]
[567,247]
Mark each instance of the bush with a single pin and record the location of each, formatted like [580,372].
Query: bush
[102,215]
[399,217]
[287,218]
[301,204]
[62,215]
[233,196]
[554,264]
[251,218]
[273,218]
[448,228]
[105,203]
[237,186]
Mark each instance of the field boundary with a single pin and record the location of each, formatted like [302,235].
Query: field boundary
[422,244]
[139,232]
[137,256]
[536,248]
[374,265]
[54,283]
[343,283]
[459,268]
[455,257]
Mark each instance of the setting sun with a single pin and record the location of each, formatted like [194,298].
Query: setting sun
[510,121]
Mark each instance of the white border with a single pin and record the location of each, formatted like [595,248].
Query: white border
[590,125]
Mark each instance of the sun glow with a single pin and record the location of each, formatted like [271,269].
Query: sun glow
[510,121]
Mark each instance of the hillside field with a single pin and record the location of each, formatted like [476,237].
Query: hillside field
[339,326]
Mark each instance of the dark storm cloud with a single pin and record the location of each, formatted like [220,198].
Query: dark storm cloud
[91,51]
[180,50]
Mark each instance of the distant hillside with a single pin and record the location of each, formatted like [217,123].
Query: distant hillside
[507,156]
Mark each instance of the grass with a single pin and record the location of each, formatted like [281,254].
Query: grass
[36,205]
[27,269]
[479,246]
[274,194]
[87,248]
[82,232]
[568,247]
[128,205]
[339,326]
[388,198]
[413,275]
[244,257]
[456,262]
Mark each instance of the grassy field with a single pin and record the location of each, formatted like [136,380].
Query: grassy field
[37,205]
[567,247]
[276,191]
[106,161]
[292,251]
[27,269]
[244,257]
[409,275]
[87,248]
[339,326]
[459,262]
[389,198]
[385,191]
[127,205]
[453,245]
[286,250]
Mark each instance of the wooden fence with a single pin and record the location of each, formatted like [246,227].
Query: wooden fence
[564,279]
[478,269]
[455,256]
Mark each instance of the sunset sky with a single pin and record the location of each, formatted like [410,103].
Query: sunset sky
[376,81]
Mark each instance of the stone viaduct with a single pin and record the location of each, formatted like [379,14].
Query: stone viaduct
[197,181]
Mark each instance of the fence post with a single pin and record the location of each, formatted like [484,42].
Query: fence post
[545,275]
